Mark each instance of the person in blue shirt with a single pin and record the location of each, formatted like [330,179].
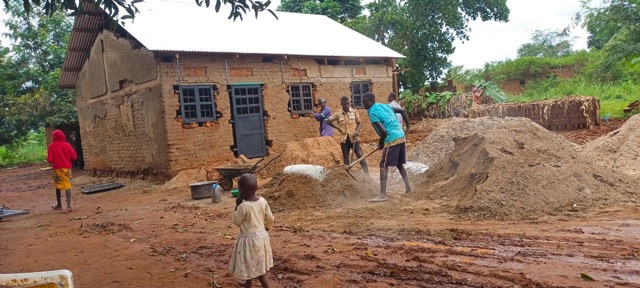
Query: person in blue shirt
[322,116]
[392,140]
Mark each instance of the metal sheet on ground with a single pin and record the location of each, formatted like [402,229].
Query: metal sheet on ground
[102,187]
[7,213]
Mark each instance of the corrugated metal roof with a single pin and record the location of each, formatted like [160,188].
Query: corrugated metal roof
[165,26]
[186,27]
[85,31]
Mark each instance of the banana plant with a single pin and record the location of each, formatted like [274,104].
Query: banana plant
[491,89]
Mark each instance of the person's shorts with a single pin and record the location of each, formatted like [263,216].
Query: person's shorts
[348,145]
[392,156]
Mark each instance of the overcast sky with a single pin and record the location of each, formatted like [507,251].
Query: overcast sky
[493,41]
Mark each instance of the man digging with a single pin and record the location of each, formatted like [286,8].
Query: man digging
[392,140]
[349,125]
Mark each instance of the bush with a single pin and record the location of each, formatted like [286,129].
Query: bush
[615,87]
[28,150]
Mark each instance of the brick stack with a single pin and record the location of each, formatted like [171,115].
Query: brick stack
[571,113]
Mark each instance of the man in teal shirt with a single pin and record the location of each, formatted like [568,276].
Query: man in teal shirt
[391,142]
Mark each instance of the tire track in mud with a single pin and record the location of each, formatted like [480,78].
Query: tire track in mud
[449,257]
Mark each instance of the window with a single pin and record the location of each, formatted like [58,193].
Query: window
[301,98]
[197,104]
[247,100]
[357,90]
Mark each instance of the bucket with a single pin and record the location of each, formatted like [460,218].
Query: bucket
[201,189]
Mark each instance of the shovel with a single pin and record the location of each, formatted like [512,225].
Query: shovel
[348,167]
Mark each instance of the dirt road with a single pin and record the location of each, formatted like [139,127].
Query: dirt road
[147,235]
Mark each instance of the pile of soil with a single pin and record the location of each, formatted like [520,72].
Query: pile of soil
[618,150]
[294,191]
[186,177]
[439,143]
[512,168]
[323,151]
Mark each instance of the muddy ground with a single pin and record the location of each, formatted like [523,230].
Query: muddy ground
[154,235]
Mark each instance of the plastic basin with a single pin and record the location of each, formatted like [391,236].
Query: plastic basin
[201,190]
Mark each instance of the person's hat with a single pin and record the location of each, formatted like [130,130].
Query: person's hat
[322,101]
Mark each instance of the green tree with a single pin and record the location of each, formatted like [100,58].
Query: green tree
[339,10]
[547,43]
[29,95]
[614,27]
[424,31]
[124,9]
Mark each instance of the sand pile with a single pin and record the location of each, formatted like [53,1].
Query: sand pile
[186,177]
[323,151]
[288,192]
[618,150]
[512,168]
[439,143]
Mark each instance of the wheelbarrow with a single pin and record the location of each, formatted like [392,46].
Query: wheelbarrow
[232,172]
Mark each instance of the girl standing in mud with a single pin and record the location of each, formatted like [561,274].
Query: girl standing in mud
[251,256]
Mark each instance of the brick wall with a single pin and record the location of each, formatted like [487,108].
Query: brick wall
[562,114]
[121,119]
[517,86]
[205,146]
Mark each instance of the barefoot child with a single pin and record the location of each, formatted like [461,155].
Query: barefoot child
[252,256]
[60,154]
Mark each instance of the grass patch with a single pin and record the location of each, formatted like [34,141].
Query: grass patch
[32,149]
[614,97]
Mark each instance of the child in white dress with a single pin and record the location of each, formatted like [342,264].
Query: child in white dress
[252,256]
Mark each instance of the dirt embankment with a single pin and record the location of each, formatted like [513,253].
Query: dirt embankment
[618,150]
[512,169]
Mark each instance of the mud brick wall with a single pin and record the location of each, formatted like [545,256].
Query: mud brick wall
[518,85]
[208,145]
[120,116]
[564,114]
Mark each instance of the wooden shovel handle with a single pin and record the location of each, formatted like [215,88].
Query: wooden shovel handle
[362,158]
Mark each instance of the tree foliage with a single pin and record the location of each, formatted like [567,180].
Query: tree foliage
[125,9]
[29,73]
[547,43]
[339,10]
[424,31]
[614,27]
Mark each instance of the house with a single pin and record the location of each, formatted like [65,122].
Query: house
[184,87]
